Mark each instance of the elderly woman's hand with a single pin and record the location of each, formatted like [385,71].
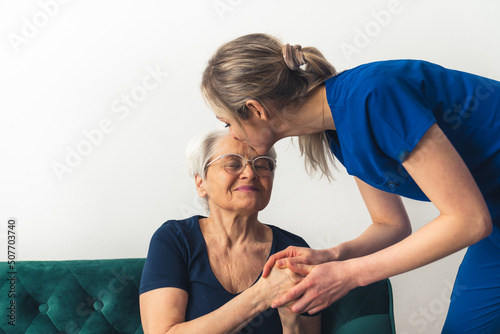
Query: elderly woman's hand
[277,283]
[288,318]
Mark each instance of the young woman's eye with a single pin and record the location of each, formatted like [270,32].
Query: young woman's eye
[227,125]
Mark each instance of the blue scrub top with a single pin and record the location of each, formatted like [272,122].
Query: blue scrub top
[381,111]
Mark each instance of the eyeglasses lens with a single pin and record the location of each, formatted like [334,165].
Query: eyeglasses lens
[234,164]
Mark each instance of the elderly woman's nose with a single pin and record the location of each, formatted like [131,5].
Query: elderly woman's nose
[248,171]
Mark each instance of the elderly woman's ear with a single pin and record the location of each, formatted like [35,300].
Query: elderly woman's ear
[200,186]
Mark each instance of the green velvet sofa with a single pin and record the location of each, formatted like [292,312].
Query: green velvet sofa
[101,296]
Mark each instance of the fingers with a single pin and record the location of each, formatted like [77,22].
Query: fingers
[282,263]
[272,260]
[306,303]
[316,309]
[268,266]
[295,264]
[299,269]
[290,296]
[283,259]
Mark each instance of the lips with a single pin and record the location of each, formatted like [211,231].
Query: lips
[247,188]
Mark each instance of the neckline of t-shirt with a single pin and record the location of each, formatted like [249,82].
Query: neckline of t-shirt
[205,255]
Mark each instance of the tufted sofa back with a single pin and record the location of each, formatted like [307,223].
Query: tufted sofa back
[102,296]
[83,296]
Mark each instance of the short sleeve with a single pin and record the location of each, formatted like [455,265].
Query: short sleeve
[302,243]
[381,112]
[283,239]
[398,114]
[165,264]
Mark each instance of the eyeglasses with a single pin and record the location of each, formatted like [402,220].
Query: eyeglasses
[235,164]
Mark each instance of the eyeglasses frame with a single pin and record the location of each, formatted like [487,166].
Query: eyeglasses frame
[246,163]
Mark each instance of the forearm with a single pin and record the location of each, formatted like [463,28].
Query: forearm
[292,325]
[229,318]
[376,237]
[441,237]
[302,325]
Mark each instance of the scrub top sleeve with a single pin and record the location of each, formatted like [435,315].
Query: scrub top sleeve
[399,115]
[165,264]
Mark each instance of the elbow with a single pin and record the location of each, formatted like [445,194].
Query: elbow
[487,227]
[404,231]
[481,228]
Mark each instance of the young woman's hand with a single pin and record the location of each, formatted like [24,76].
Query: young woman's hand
[298,255]
[324,284]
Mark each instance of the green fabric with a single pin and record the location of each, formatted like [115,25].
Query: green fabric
[85,296]
[102,296]
[363,310]
[373,324]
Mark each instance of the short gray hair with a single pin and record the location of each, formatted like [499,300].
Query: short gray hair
[201,149]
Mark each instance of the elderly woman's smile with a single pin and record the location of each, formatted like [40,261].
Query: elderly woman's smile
[248,188]
[237,178]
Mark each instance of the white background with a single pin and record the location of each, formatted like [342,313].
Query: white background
[68,68]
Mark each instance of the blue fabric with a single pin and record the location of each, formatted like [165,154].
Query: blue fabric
[177,257]
[381,111]
[475,302]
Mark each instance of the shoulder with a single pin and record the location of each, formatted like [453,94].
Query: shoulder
[395,67]
[283,238]
[385,88]
[385,73]
[184,229]
[178,238]
[373,81]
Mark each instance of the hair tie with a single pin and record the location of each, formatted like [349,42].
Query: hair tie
[294,58]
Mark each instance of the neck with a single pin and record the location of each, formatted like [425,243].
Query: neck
[232,229]
[309,117]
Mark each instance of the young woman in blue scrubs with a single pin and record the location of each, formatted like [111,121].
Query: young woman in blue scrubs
[401,128]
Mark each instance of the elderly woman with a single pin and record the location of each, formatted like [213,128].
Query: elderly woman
[203,274]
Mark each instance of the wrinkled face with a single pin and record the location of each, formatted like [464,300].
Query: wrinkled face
[246,193]
[257,134]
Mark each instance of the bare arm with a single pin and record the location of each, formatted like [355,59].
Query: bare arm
[464,219]
[297,324]
[163,310]
[390,224]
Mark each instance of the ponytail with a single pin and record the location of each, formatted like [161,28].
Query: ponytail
[259,67]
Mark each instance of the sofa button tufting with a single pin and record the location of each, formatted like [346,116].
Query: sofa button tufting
[43,308]
[98,305]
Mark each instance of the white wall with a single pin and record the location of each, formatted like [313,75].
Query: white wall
[132,70]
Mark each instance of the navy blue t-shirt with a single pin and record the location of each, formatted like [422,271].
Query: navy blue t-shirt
[382,109]
[178,257]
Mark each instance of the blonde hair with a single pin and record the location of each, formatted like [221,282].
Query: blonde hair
[252,67]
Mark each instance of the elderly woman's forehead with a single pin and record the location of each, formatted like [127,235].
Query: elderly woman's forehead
[229,144]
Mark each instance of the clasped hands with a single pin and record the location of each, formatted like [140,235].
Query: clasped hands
[317,279]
